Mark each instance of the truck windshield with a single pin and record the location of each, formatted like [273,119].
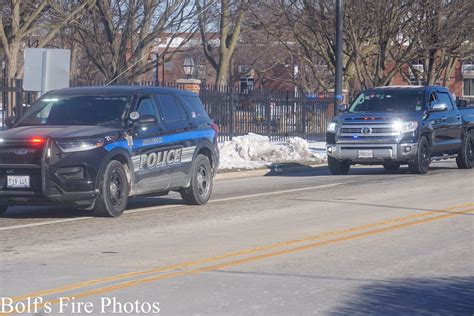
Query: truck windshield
[388,101]
[76,110]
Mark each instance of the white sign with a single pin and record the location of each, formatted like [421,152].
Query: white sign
[46,69]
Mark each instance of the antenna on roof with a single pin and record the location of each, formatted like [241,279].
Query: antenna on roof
[120,75]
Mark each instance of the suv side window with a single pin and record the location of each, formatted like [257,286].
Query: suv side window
[148,107]
[171,110]
[195,107]
[444,98]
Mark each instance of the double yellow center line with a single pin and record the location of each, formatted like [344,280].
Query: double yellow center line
[249,255]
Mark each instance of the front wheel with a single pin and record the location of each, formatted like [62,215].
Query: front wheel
[465,158]
[200,189]
[422,160]
[338,167]
[113,191]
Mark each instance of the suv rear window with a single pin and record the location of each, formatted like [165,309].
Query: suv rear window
[195,107]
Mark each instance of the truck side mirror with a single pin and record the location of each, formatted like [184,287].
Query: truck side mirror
[439,107]
[10,121]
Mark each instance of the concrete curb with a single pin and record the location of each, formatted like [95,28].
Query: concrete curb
[271,170]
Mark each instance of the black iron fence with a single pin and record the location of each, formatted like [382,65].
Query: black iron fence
[277,114]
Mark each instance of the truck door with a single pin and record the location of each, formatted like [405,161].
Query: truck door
[148,148]
[179,137]
[440,125]
[453,121]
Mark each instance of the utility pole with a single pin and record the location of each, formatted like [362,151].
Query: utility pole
[339,43]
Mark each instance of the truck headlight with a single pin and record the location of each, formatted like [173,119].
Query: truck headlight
[332,127]
[68,146]
[405,127]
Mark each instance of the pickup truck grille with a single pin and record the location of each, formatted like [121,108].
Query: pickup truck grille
[373,132]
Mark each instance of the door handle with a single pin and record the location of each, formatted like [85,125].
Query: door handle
[444,118]
[458,117]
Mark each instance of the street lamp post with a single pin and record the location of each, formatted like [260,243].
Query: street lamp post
[339,41]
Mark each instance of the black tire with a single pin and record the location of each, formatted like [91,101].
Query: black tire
[338,167]
[3,209]
[422,160]
[465,158]
[113,191]
[391,166]
[200,189]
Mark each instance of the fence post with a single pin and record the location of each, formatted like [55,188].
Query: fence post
[231,113]
[268,115]
[303,118]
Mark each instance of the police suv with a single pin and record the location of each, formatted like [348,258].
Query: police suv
[94,147]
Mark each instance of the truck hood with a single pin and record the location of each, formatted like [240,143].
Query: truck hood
[383,116]
[56,132]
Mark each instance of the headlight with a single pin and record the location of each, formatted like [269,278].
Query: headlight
[405,127]
[68,146]
[332,127]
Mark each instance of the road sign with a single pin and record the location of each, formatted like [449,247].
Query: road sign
[46,69]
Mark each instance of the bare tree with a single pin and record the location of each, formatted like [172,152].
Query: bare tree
[118,36]
[445,35]
[21,20]
[226,17]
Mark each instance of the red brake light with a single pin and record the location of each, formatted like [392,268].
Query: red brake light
[37,140]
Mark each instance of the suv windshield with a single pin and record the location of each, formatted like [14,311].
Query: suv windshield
[76,110]
[388,101]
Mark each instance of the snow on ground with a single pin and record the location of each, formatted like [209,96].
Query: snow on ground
[254,151]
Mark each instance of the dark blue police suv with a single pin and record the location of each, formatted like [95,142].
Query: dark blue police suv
[94,147]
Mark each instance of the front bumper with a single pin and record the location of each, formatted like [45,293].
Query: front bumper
[360,153]
[55,179]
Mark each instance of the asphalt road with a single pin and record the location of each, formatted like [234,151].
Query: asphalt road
[305,243]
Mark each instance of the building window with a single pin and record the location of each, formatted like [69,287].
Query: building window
[468,88]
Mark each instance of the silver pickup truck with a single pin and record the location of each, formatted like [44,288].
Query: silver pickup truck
[395,126]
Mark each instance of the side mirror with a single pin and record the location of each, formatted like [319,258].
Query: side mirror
[461,103]
[147,120]
[439,107]
[10,121]
[343,107]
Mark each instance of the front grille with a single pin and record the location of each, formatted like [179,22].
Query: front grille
[368,132]
[20,154]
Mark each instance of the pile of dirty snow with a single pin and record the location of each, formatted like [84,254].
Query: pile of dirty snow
[254,151]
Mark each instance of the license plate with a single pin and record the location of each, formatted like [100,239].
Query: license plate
[366,153]
[18,182]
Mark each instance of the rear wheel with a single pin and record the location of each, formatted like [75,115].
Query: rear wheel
[422,160]
[3,209]
[200,189]
[113,191]
[338,167]
[465,158]
[391,166]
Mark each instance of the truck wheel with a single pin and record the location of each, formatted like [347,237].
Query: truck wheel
[3,209]
[391,166]
[200,189]
[113,191]
[338,167]
[422,161]
[465,158]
